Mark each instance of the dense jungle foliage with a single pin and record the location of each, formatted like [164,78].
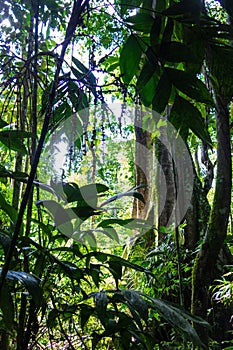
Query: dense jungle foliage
[116,174]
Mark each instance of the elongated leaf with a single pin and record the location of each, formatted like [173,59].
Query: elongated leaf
[11,212]
[129,58]
[62,217]
[189,85]
[30,282]
[2,123]
[13,139]
[137,302]
[134,194]
[146,74]
[176,319]
[148,91]
[7,306]
[101,302]
[185,113]
[176,52]
[5,241]
[162,94]
[85,313]
[84,74]
[141,22]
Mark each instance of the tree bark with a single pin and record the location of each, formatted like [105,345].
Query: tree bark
[205,264]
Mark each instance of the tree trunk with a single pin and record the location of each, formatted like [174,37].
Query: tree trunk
[205,264]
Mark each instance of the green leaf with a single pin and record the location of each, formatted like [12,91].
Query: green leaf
[189,85]
[184,113]
[62,217]
[5,241]
[2,123]
[162,94]
[13,139]
[116,269]
[137,302]
[141,22]
[176,318]
[134,194]
[11,212]
[85,313]
[148,91]
[176,52]
[101,302]
[129,5]
[85,75]
[95,273]
[7,306]
[130,58]
[146,74]
[30,282]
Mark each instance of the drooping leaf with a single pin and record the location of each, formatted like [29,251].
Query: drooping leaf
[101,302]
[162,94]
[147,92]
[5,241]
[2,123]
[85,313]
[137,302]
[62,217]
[176,52]
[189,85]
[185,115]
[134,194]
[174,316]
[129,58]
[7,307]
[11,212]
[85,75]
[30,282]
[141,22]
[146,74]
[13,139]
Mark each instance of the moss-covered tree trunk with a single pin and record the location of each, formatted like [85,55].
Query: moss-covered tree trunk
[205,264]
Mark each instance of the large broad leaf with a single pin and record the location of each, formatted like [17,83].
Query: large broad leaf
[13,139]
[141,22]
[162,94]
[62,217]
[87,193]
[101,302]
[177,319]
[176,52]
[185,113]
[129,58]
[148,91]
[2,123]
[189,85]
[188,11]
[146,74]
[30,282]
[11,212]
[137,302]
